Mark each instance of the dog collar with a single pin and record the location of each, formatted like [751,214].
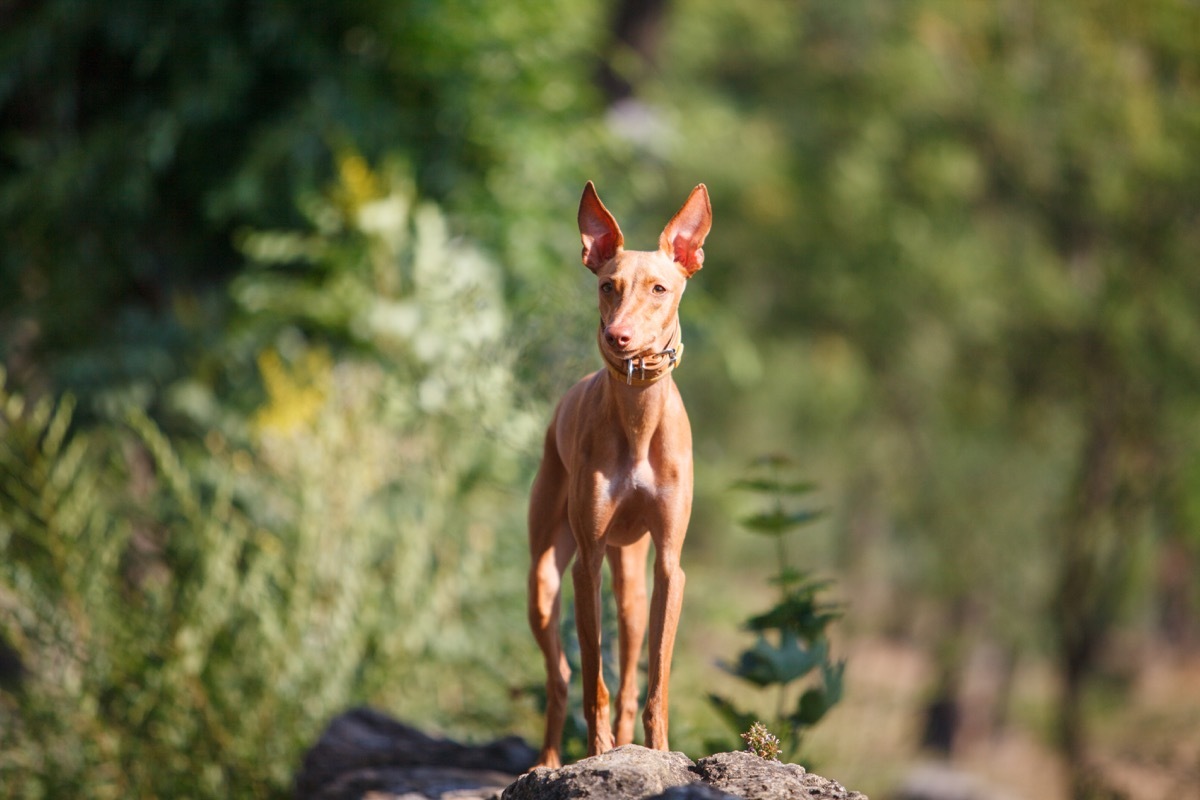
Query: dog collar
[643,370]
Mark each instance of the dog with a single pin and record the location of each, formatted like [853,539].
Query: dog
[616,476]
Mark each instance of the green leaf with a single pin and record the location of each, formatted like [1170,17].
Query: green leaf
[816,702]
[775,523]
[773,461]
[789,577]
[812,706]
[765,664]
[800,614]
[772,486]
[833,675]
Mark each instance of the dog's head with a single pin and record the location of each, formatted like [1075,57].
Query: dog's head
[639,290]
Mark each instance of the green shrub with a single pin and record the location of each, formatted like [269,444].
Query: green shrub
[191,609]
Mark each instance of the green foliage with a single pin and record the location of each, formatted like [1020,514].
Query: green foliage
[136,141]
[791,643]
[59,585]
[190,613]
[956,261]
[978,229]
[125,127]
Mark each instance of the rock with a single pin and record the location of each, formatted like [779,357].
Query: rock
[626,772]
[746,775]
[635,773]
[414,783]
[694,791]
[366,755]
[365,752]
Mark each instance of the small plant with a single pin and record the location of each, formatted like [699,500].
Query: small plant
[762,742]
[790,640]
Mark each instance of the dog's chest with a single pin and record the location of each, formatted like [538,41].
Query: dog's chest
[636,482]
[632,498]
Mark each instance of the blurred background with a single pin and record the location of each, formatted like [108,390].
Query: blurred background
[288,291]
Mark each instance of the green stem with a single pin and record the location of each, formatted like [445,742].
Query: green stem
[781,551]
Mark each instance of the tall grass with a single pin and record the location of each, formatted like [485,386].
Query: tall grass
[190,607]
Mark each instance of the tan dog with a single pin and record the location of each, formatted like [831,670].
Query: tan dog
[616,474]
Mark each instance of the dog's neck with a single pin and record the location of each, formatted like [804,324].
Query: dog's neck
[647,369]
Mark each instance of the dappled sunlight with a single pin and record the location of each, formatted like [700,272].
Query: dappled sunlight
[288,294]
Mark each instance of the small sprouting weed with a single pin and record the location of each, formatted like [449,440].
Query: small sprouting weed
[762,742]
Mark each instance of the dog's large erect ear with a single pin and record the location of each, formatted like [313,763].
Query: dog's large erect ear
[599,231]
[684,235]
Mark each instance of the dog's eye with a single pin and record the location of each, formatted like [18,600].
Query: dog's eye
[659,288]
[606,287]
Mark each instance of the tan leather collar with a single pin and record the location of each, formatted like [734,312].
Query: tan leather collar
[644,370]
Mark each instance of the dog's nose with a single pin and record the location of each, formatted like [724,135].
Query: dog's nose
[618,337]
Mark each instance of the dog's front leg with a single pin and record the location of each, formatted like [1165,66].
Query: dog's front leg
[586,573]
[665,606]
[628,565]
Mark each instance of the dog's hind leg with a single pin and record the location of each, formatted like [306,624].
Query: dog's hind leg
[551,548]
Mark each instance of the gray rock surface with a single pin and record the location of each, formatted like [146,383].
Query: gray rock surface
[744,774]
[366,755]
[625,772]
[635,773]
[694,791]
[366,752]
